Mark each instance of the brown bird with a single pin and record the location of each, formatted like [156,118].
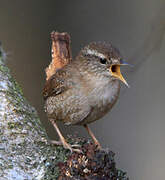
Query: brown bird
[85,89]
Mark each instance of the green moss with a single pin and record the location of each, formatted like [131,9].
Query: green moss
[14,125]
[10,166]
[61,155]
[17,87]
[11,125]
[4,69]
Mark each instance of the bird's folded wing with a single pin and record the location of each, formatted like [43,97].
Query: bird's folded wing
[56,84]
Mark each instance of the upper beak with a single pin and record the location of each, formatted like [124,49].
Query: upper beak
[115,71]
[122,62]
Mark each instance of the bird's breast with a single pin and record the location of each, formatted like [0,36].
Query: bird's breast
[102,98]
[104,93]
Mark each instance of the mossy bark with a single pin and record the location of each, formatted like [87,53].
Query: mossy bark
[24,150]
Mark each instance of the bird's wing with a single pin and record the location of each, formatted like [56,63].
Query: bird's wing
[56,84]
[76,107]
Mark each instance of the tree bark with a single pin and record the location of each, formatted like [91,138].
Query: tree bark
[24,151]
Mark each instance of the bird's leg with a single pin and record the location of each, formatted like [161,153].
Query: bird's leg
[92,136]
[62,139]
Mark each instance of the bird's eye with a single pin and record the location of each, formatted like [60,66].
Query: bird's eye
[103,60]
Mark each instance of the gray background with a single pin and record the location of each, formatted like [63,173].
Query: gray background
[134,129]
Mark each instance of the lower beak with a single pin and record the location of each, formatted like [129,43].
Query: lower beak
[115,71]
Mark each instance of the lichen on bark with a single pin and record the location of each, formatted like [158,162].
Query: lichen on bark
[24,151]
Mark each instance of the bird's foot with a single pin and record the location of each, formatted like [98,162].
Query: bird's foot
[72,148]
[76,145]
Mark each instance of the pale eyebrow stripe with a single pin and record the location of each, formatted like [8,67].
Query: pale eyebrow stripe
[95,53]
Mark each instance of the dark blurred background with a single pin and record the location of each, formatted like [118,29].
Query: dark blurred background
[135,128]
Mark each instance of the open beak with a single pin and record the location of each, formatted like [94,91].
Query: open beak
[115,71]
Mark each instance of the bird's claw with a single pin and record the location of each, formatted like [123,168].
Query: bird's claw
[76,145]
[71,147]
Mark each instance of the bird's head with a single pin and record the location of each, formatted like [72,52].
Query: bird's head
[102,59]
